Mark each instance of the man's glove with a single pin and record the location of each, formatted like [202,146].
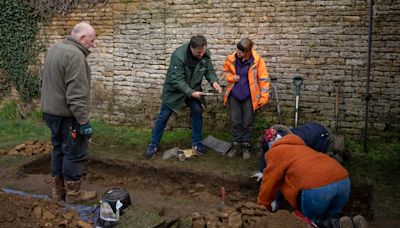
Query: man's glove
[258,175]
[86,130]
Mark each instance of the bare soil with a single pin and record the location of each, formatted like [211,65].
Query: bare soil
[174,194]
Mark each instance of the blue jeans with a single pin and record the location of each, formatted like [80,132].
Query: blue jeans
[165,113]
[326,201]
[69,154]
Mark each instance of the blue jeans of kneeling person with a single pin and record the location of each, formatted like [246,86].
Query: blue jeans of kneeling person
[70,148]
[165,113]
[326,201]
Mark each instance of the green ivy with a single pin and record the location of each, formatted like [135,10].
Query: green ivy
[18,46]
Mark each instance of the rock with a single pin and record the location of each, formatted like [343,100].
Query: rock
[223,215]
[247,211]
[37,212]
[238,205]
[20,147]
[235,220]
[63,223]
[29,150]
[69,215]
[199,186]
[211,221]
[261,212]
[198,223]
[196,215]
[48,215]
[253,205]
[13,152]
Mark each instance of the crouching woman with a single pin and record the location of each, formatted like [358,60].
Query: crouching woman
[311,182]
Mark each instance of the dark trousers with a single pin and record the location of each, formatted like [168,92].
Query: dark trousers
[242,117]
[70,149]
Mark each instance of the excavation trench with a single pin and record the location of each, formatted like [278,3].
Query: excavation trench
[202,189]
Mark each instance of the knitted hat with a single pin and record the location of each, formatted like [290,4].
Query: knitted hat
[270,135]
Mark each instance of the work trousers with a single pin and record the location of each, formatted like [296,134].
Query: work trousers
[70,148]
[165,113]
[242,117]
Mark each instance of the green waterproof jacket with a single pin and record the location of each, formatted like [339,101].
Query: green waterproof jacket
[180,82]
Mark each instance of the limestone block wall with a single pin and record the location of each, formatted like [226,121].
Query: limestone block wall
[321,41]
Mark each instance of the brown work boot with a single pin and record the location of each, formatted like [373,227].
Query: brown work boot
[246,151]
[57,188]
[75,194]
[234,150]
[360,222]
[345,222]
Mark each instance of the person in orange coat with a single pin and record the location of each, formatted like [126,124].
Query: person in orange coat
[247,91]
[311,182]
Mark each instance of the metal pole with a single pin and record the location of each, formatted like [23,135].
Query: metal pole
[297,80]
[278,108]
[337,91]
[367,94]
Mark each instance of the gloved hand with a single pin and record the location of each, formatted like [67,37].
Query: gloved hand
[258,175]
[86,130]
[274,206]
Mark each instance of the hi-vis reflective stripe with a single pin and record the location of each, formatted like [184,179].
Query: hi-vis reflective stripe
[230,85]
[265,79]
[255,79]
[258,94]
[265,90]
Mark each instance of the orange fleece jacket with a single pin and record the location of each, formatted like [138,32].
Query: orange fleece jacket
[293,166]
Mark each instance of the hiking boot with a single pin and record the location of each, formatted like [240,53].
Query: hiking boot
[360,222]
[200,149]
[234,150]
[246,151]
[345,222]
[57,188]
[151,150]
[75,194]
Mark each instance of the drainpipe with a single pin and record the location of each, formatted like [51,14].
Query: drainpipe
[367,94]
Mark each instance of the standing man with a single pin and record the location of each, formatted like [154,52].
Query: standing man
[189,64]
[65,103]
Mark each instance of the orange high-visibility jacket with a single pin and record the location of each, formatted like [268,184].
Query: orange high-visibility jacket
[258,79]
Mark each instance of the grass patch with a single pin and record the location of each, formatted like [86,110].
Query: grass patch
[380,167]
[140,217]
[9,111]
[14,132]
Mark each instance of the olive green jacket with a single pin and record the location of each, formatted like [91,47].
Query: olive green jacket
[180,82]
[66,81]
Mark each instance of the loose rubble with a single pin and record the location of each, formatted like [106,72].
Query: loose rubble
[31,212]
[29,148]
[246,215]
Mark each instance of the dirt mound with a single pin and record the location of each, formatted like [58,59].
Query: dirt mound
[30,212]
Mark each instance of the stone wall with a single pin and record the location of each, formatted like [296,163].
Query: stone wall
[321,41]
